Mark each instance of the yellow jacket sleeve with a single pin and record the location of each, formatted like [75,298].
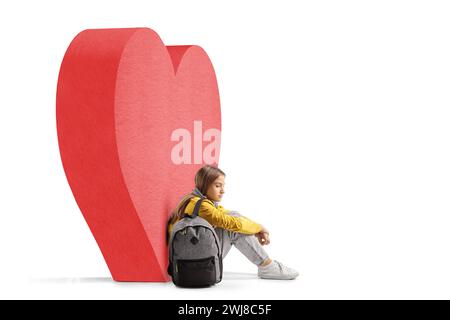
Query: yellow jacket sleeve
[218,217]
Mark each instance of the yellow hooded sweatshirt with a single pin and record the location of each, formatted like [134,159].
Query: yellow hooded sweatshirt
[217,216]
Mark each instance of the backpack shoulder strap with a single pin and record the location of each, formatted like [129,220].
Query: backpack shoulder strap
[196,208]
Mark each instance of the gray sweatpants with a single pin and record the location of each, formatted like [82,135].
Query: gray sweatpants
[248,244]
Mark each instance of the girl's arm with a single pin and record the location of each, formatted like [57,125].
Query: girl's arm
[218,218]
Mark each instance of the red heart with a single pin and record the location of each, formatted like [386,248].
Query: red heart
[121,94]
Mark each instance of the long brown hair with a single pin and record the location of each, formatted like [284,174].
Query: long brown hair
[203,179]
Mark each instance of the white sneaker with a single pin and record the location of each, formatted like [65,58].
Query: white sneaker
[277,270]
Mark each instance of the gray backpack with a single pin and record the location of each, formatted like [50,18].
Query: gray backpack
[195,253]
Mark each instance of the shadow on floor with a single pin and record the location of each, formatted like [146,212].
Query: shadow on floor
[226,276]
[239,276]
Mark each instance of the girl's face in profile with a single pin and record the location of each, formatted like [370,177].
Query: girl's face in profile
[216,189]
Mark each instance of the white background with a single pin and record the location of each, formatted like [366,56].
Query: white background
[335,118]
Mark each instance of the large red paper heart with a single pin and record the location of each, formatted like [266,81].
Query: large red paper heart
[121,95]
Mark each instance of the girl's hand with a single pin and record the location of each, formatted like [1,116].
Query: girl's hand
[263,236]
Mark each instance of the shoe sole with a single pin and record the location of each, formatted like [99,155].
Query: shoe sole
[278,277]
